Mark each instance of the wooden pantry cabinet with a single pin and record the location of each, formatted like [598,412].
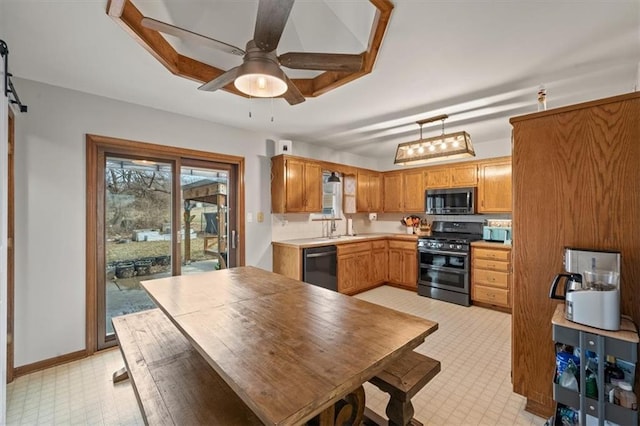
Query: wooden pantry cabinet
[403,264]
[491,275]
[494,186]
[369,192]
[296,185]
[575,181]
[453,176]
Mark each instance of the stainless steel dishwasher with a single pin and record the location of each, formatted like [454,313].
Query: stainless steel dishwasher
[320,266]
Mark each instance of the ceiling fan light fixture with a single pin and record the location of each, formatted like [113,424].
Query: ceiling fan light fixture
[261,78]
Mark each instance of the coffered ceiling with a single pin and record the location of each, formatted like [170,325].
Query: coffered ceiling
[480,62]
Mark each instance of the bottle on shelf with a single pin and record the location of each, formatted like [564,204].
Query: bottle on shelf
[612,373]
[624,396]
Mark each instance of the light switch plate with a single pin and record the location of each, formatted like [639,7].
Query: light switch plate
[260,217]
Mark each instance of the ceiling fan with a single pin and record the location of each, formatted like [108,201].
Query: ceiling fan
[260,73]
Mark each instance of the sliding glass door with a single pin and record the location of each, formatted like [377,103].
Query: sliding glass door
[156,215]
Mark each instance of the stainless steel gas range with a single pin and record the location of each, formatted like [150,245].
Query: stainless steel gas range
[444,261]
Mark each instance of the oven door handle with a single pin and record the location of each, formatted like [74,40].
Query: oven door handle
[444,268]
[449,253]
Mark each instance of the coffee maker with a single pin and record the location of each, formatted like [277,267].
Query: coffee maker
[591,287]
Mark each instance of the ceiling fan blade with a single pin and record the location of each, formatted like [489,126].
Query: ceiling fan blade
[293,94]
[220,81]
[163,27]
[272,17]
[322,61]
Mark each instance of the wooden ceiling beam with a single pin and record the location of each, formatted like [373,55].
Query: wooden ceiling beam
[130,18]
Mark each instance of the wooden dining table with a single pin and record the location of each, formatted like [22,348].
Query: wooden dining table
[288,349]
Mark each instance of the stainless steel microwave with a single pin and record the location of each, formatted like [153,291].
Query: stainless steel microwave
[450,201]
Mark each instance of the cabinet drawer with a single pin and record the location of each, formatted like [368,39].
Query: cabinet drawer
[494,296]
[504,255]
[353,248]
[379,244]
[495,265]
[491,278]
[403,245]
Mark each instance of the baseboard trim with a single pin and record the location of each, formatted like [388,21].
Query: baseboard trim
[490,306]
[403,286]
[539,409]
[48,363]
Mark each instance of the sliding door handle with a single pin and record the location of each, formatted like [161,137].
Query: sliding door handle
[233,239]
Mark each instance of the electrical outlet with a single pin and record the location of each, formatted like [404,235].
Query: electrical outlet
[249,217]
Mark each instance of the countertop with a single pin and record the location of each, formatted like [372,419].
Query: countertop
[490,244]
[344,239]
[627,330]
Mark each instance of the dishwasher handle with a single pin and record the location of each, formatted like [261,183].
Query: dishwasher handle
[324,254]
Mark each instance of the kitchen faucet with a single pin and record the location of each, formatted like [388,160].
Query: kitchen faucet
[333,225]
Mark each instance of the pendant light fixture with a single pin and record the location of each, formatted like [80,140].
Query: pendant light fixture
[333,178]
[445,146]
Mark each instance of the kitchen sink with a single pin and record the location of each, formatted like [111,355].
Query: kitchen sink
[339,237]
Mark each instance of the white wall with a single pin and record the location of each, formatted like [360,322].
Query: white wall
[3,233]
[3,242]
[50,202]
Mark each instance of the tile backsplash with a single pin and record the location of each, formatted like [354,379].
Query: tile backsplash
[292,226]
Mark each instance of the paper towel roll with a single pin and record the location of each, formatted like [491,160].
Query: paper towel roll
[349,226]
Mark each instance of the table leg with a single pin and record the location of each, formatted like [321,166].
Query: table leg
[347,411]
[120,375]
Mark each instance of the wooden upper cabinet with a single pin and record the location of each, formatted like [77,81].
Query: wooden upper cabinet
[453,176]
[296,185]
[464,175]
[494,187]
[437,178]
[392,192]
[413,194]
[403,191]
[369,191]
[312,188]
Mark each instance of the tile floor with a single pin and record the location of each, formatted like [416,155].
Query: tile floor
[473,388]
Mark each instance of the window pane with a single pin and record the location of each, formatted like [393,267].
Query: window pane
[331,196]
[204,219]
[138,232]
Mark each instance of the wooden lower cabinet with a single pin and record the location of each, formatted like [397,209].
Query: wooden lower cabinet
[380,260]
[360,265]
[403,264]
[491,276]
[358,268]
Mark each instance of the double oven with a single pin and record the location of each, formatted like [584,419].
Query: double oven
[444,261]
